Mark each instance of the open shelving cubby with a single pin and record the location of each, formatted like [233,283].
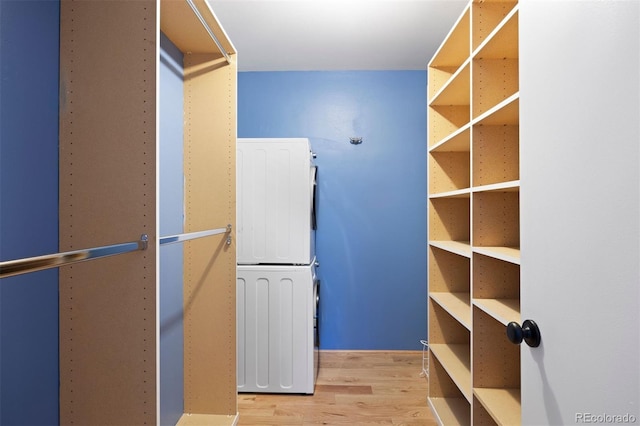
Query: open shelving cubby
[450,56]
[450,111]
[496,288]
[486,17]
[449,85]
[495,65]
[496,370]
[450,345]
[449,165]
[449,224]
[496,222]
[445,399]
[496,153]
[450,286]
[474,217]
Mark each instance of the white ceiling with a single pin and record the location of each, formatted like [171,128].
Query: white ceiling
[320,35]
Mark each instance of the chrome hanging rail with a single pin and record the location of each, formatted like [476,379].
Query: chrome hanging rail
[32,264]
[193,235]
[209,30]
[11,268]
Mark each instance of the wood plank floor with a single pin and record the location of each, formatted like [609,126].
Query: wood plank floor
[354,387]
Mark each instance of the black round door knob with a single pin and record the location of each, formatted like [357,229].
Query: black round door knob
[529,332]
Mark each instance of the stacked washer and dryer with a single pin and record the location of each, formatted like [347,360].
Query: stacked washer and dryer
[277,286]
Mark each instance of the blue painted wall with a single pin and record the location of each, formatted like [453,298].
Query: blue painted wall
[171,223]
[372,237]
[29,46]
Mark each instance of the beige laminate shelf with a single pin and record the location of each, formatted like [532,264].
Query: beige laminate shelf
[462,248]
[450,55]
[502,404]
[456,360]
[486,17]
[511,186]
[458,193]
[503,310]
[456,90]
[500,43]
[206,420]
[458,141]
[506,113]
[456,48]
[508,254]
[451,411]
[458,305]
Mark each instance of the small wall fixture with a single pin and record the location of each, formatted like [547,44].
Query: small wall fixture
[355,141]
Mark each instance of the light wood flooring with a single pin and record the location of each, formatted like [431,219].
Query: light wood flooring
[354,387]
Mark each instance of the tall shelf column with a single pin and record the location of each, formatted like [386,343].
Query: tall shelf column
[109,328]
[449,115]
[474,225]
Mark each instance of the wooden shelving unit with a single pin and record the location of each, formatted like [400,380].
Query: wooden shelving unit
[495,64]
[474,217]
[496,369]
[450,345]
[109,329]
[450,282]
[451,55]
[449,405]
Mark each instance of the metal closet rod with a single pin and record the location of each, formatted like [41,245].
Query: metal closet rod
[38,263]
[11,268]
[193,235]
[209,30]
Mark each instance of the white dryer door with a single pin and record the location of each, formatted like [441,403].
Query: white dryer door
[274,201]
